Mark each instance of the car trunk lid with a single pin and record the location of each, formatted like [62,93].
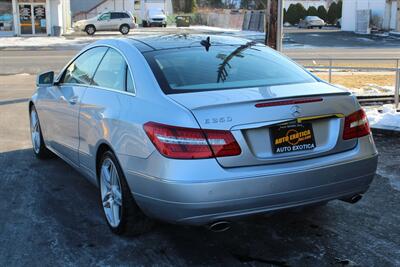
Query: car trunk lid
[253,115]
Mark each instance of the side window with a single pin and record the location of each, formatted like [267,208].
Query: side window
[82,69]
[105,16]
[115,15]
[125,15]
[111,72]
[129,81]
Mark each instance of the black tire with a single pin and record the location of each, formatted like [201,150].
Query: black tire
[124,29]
[133,221]
[42,152]
[144,24]
[320,27]
[90,29]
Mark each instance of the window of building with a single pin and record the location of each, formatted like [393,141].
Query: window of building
[6,17]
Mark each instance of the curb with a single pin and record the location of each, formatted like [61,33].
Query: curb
[388,132]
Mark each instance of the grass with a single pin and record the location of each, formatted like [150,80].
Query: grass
[360,80]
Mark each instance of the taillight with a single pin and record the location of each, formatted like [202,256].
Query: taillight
[356,125]
[189,143]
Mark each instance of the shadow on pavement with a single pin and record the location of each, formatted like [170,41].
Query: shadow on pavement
[54,217]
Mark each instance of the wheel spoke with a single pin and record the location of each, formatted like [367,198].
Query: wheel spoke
[115,212]
[106,200]
[110,189]
[113,175]
[105,175]
[117,197]
[35,132]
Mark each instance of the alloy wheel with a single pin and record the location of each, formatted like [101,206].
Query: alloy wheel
[124,29]
[35,131]
[111,196]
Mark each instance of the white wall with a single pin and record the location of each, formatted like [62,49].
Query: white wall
[377,8]
[393,16]
[59,15]
[349,15]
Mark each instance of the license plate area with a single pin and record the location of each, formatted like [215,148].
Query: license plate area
[293,137]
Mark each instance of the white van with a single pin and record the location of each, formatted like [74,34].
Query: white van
[152,12]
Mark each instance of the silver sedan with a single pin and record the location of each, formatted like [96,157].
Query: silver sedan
[200,130]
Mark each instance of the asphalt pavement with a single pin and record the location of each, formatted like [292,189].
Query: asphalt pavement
[50,216]
[298,43]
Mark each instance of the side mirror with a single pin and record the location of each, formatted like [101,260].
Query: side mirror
[45,79]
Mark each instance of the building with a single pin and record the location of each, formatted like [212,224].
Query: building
[133,6]
[380,14]
[34,17]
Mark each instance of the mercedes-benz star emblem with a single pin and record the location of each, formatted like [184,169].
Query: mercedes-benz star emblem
[296,111]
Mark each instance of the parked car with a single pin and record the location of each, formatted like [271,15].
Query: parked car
[310,22]
[109,21]
[154,17]
[254,133]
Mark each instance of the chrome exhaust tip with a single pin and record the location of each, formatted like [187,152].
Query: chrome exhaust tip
[352,200]
[220,226]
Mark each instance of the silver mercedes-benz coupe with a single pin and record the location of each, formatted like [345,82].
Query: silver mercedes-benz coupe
[201,130]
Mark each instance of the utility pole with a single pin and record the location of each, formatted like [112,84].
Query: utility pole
[273,23]
[398,16]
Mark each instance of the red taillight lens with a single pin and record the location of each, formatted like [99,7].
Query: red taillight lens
[356,125]
[189,143]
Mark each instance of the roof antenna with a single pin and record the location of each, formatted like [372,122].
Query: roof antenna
[206,43]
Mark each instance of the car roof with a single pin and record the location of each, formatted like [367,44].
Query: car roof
[173,41]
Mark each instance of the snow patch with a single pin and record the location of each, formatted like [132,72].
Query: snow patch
[373,89]
[44,41]
[385,117]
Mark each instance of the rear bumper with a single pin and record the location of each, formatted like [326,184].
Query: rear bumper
[262,190]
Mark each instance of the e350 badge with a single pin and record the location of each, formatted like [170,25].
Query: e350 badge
[218,120]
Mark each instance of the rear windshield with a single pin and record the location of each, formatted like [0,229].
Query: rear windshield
[223,67]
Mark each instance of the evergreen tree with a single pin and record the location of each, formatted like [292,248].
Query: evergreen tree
[295,13]
[312,11]
[284,15]
[339,9]
[332,13]
[322,13]
[301,11]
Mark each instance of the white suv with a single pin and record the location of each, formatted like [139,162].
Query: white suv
[110,21]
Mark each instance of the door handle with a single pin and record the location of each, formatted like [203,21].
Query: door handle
[73,100]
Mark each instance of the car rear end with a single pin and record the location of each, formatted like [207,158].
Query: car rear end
[131,20]
[290,141]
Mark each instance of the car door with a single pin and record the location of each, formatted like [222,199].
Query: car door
[116,20]
[67,96]
[101,108]
[103,23]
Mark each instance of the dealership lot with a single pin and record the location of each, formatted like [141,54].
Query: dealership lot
[51,215]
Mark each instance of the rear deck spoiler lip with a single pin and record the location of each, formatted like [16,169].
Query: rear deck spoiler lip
[208,105]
